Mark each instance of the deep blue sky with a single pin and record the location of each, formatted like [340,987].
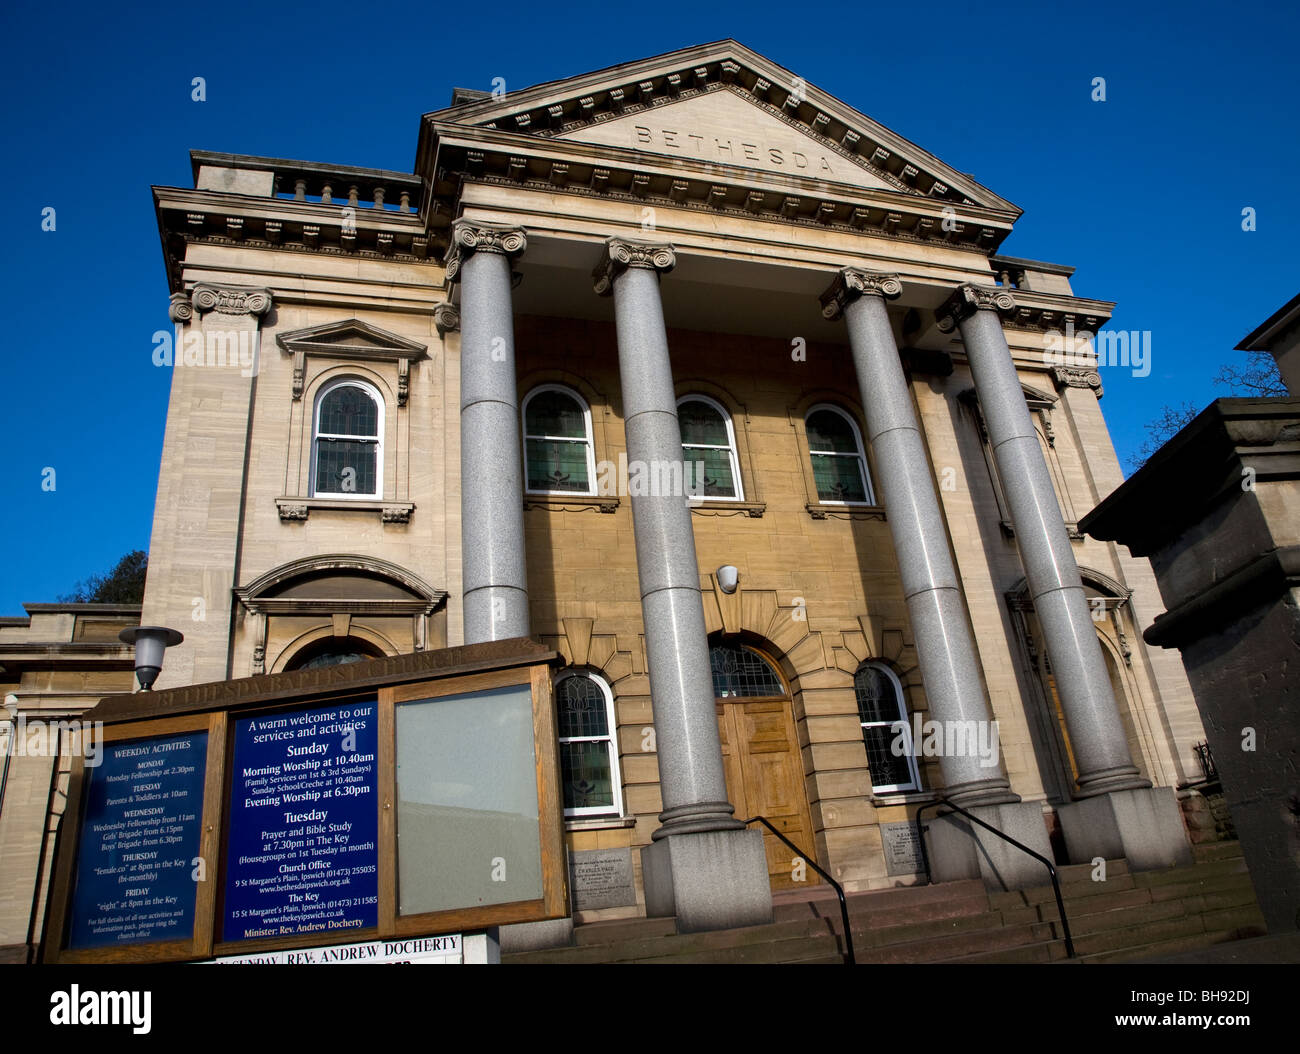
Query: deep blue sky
[1142,193]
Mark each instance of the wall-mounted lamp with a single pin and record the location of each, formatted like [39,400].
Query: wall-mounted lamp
[728,577]
[150,643]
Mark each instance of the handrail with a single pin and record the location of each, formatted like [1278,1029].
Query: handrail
[851,960]
[1051,868]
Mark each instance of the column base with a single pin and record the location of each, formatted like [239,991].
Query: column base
[959,849]
[1145,827]
[712,880]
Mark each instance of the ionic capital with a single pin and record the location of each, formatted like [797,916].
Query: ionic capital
[446,317]
[469,237]
[967,299]
[619,255]
[1077,377]
[851,283]
[180,309]
[225,300]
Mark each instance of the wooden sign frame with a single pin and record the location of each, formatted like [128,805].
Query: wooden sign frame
[214,708]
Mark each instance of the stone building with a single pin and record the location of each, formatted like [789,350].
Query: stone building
[723,390]
[56,662]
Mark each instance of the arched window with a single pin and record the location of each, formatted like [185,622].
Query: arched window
[740,672]
[347,441]
[589,772]
[839,466]
[709,440]
[891,756]
[558,456]
[334,651]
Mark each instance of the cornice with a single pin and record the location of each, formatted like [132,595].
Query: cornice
[1056,311]
[619,174]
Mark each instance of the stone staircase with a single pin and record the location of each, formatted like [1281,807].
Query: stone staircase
[1131,915]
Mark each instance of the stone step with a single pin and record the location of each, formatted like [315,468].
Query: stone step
[1216,850]
[675,944]
[611,931]
[1208,869]
[1193,885]
[1132,915]
[878,899]
[939,949]
[1173,946]
[1067,873]
[869,936]
[821,949]
[882,916]
[1070,891]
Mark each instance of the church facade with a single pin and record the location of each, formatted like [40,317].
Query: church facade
[725,392]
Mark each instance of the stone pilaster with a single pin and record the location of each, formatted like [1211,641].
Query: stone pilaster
[495,581]
[201,484]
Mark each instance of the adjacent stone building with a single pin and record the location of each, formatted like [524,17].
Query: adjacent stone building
[722,389]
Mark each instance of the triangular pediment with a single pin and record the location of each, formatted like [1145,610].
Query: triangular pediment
[351,339]
[722,104]
[725,127]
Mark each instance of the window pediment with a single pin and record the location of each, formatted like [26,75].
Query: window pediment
[355,341]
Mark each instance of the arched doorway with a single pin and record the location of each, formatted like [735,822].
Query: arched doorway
[761,756]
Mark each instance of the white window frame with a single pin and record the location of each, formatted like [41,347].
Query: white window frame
[611,741]
[731,448]
[861,455]
[378,439]
[591,445]
[903,718]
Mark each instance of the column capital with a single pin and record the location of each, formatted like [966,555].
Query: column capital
[852,282]
[446,317]
[967,299]
[224,299]
[471,236]
[1077,377]
[179,309]
[620,254]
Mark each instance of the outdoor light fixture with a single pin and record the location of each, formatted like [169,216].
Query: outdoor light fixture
[150,643]
[728,576]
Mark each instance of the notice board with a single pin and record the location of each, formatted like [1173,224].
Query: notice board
[282,812]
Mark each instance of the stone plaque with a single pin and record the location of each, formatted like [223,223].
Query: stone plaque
[601,878]
[902,853]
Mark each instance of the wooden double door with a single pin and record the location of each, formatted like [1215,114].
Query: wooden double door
[764,770]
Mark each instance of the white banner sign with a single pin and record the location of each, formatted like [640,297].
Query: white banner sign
[412,950]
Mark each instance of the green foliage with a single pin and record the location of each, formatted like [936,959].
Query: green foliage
[122,585]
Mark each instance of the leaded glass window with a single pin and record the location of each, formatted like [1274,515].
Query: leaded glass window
[557,443]
[708,441]
[588,749]
[890,753]
[348,441]
[839,467]
[740,672]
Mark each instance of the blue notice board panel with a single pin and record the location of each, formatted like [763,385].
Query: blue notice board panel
[303,855]
[140,842]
